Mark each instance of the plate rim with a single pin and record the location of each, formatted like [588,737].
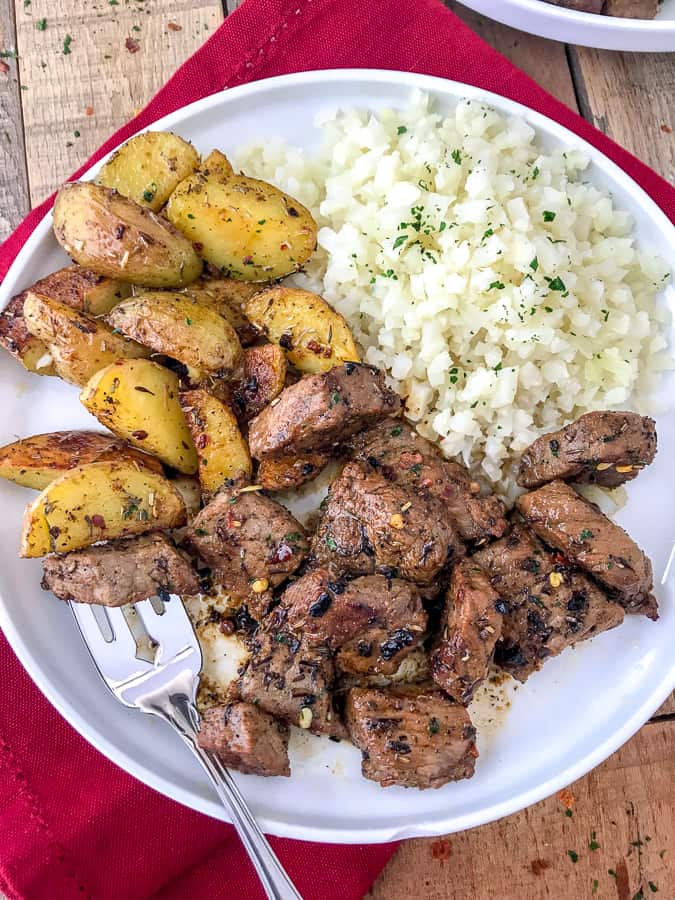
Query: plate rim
[276,825]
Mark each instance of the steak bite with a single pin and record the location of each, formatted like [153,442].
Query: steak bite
[401,455]
[470,627]
[323,410]
[374,622]
[548,605]
[371,525]
[412,736]
[123,571]
[246,738]
[290,679]
[577,528]
[250,542]
[605,448]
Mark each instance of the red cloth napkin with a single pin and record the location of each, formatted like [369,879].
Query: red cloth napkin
[71,823]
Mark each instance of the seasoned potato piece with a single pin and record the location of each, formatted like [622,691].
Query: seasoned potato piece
[149,167]
[216,163]
[222,451]
[15,337]
[99,502]
[248,229]
[82,289]
[227,297]
[283,473]
[110,234]
[138,400]
[78,345]
[314,336]
[179,326]
[36,461]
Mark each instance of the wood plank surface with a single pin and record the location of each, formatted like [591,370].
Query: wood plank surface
[14,202]
[625,807]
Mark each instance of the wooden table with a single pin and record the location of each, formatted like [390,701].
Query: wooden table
[56,107]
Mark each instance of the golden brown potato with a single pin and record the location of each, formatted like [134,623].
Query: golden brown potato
[149,167]
[110,234]
[79,346]
[180,326]
[283,473]
[99,502]
[15,337]
[34,462]
[216,163]
[314,336]
[222,451]
[82,289]
[227,297]
[248,229]
[138,401]
[260,377]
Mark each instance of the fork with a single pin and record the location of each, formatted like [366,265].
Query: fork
[149,656]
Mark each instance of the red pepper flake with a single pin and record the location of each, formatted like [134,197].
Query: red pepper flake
[247,260]
[4,68]
[201,441]
[666,129]
[98,521]
[473,750]
[140,435]
[132,45]
[283,553]
[174,26]
[227,626]
[89,111]
[441,850]
[567,798]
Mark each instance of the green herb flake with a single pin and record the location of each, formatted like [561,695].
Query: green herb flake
[652,887]
[593,844]
[76,133]
[416,469]
[487,234]
[548,215]
[335,398]
[639,895]
[568,813]
[202,532]
[190,215]
[400,240]
[401,129]
[331,543]
[573,855]
[396,430]
[149,195]
[556,284]
[548,309]
[41,24]
[611,873]
[498,367]
[584,535]
[8,54]
[534,265]
[442,226]
[605,314]
[188,321]
[535,172]
[496,286]
[457,156]
[67,41]
[434,725]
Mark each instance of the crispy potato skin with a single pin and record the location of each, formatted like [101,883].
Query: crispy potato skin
[248,229]
[314,336]
[82,289]
[78,344]
[138,401]
[222,451]
[257,380]
[149,167]
[96,502]
[283,473]
[34,462]
[216,163]
[227,297]
[111,235]
[180,326]
[15,337]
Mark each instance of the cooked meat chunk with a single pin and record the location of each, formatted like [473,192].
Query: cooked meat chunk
[605,448]
[547,604]
[395,450]
[320,411]
[470,627]
[411,736]
[577,528]
[290,679]
[283,473]
[632,9]
[250,542]
[121,572]
[246,738]
[374,622]
[370,524]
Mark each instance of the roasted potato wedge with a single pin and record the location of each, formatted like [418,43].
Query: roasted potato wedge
[314,336]
[110,234]
[227,297]
[260,377]
[15,337]
[222,451]
[99,502]
[216,163]
[180,326]
[138,400]
[283,473]
[79,346]
[149,167]
[34,462]
[248,229]
[82,289]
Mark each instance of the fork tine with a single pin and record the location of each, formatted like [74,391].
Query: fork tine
[115,659]
[172,630]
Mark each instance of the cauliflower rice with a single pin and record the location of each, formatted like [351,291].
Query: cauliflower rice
[502,293]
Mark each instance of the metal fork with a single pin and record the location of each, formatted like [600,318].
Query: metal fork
[159,674]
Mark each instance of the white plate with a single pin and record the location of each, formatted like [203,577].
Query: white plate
[565,721]
[588,29]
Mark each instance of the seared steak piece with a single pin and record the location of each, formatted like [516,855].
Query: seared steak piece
[121,572]
[374,622]
[412,736]
[605,448]
[250,542]
[290,679]
[632,9]
[246,739]
[370,525]
[547,604]
[577,528]
[320,411]
[395,450]
[470,628]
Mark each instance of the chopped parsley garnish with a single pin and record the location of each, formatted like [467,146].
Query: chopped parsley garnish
[496,285]
[331,543]
[66,45]
[548,215]
[41,24]
[535,172]
[131,508]
[605,314]
[596,885]
[573,855]
[400,240]
[652,887]
[534,265]
[457,156]
[149,193]
[568,813]
[434,725]
[498,367]
[335,398]
[188,321]
[593,844]
[556,284]
[401,129]
[190,215]
[202,532]
[549,309]
[585,534]
[416,469]
[396,430]
[487,234]
[442,226]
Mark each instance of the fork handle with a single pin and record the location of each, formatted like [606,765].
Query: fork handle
[183,716]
